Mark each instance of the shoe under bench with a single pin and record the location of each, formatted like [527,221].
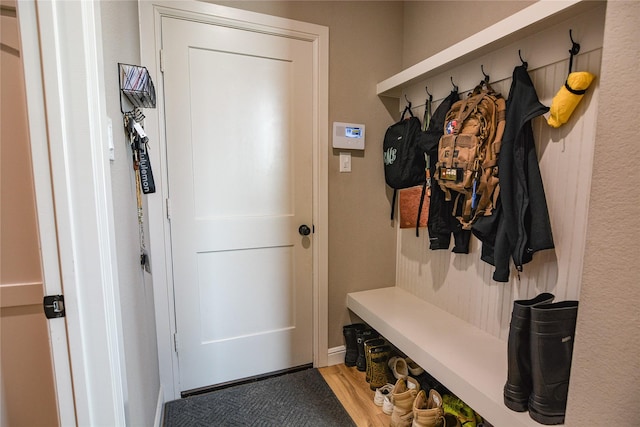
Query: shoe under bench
[467,360]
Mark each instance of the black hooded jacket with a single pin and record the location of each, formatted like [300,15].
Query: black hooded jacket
[521,224]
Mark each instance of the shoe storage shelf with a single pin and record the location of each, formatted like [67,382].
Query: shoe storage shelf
[468,361]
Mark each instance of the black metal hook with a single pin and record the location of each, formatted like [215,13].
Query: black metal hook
[455,87]
[524,63]
[575,49]
[407,108]
[426,88]
[486,76]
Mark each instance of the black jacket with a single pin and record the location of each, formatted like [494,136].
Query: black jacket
[442,223]
[521,225]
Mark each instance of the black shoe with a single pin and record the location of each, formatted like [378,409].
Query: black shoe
[350,333]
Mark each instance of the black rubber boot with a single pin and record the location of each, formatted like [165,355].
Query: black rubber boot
[362,336]
[519,386]
[350,333]
[552,334]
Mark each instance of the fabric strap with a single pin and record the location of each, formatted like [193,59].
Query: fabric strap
[424,190]
[574,91]
[426,121]
[466,109]
[393,203]
[427,115]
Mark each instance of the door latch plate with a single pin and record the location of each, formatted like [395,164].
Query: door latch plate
[54,306]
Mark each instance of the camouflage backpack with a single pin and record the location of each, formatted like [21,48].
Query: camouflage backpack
[467,166]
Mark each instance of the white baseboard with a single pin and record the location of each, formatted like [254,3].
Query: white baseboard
[159,409]
[336,355]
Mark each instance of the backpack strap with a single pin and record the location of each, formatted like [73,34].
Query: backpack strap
[466,109]
[465,216]
[426,120]
[393,203]
[446,191]
[424,191]
[427,182]
[489,185]
[407,109]
[489,189]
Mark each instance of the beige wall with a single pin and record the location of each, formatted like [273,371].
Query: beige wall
[429,26]
[605,376]
[362,52]
[369,42]
[26,373]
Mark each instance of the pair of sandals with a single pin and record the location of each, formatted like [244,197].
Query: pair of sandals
[401,367]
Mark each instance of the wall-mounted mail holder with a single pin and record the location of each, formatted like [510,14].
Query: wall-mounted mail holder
[137,86]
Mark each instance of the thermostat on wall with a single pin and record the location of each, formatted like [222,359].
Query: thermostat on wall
[348,135]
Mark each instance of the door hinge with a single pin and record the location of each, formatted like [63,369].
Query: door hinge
[54,306]
[161,61]
[168,205]
[175,342]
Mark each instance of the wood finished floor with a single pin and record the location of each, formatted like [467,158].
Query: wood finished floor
[351,388]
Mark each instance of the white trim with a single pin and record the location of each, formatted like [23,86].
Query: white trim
[150,13]
[74,107]
[336,355]
[159,418]
[159,246]
[321,197]
[44,205]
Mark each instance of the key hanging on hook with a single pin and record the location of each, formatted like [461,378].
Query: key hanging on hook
[575,49]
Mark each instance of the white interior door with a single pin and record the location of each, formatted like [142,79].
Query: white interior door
[239,129]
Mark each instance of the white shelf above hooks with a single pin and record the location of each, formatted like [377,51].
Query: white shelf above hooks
[526,22]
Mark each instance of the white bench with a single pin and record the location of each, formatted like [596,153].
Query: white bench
[468,361]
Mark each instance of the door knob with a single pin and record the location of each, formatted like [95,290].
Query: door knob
[304,230]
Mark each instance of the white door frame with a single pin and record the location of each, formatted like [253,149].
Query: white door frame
[150,13]
[62,52]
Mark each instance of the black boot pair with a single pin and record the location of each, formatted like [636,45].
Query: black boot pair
[354,337]
[540,347]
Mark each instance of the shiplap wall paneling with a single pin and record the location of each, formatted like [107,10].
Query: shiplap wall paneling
[461,283]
